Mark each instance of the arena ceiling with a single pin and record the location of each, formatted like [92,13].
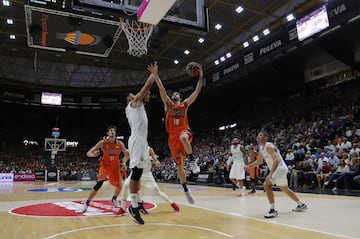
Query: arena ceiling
[21,64]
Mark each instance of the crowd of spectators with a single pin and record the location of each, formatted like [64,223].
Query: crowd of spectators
[318,136]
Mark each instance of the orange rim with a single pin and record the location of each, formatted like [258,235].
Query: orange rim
[135,29]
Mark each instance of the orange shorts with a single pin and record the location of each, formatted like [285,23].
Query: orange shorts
[254,173]
[176,147]
[110,172]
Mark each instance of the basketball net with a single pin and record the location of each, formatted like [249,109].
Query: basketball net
[138,34]
[54,151]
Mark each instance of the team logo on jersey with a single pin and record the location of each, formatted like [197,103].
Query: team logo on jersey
[62,190]
[71,209]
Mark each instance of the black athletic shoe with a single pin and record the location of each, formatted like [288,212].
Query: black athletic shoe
[141,208]
[135,214]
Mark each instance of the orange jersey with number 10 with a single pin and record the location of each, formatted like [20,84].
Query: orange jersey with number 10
[176,118]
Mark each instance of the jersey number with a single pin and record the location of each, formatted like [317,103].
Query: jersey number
[176,121]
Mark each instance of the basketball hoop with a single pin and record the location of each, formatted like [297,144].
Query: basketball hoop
[54,151]
[138,34]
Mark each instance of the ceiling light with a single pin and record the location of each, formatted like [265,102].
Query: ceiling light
[222,58]
[256,38]
[266,32]
[201,40]
[9,21]
[6,3]
[246,44]
[12,36]
[239,9]
[186,52]
[218,26]
[228,55]
[290,17]
[216,62]
[176,62]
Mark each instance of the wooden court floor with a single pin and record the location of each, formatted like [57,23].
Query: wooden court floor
[26,211]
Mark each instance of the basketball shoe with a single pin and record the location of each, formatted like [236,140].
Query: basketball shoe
[84,208]
[120,212]
[194,167]
[135,214]
[271,214]
[115,202]
[300,208]
[141,208]
[175,206]
[189,197]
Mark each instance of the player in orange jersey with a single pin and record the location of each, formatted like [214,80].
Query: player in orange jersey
[110,148]
[253,172]
[180,134]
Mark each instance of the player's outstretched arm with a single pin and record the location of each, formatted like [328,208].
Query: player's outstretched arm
[148,83]
[197,90]
[163,95]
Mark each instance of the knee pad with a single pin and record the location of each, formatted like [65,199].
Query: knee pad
[136,173]
[98,185]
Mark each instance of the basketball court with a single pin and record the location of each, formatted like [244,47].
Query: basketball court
[45,210]
[49,210]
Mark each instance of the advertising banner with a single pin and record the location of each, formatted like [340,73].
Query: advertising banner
[6,177]
[24,177]
[39,175]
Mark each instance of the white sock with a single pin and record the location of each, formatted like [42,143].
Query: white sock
[134,200]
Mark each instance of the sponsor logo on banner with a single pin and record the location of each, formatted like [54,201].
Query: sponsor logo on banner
[231,68]
[248,58]
[185,89]
[272,46]
[108,100]
[337,10]
[72,144]
[203,177]
[14,95]
[216,76]
[71,209]
[293,34]
[24,177]
[40,175]
[6,177]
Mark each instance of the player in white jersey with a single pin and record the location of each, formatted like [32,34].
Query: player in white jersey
[278,171]
[137,144]
[147,180]
[237,171]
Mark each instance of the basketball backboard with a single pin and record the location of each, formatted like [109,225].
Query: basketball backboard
[189,13]
[52,144]
[63,31]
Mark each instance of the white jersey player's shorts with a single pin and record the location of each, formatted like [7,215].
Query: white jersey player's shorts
[139,151]
[280,177]
[237,171]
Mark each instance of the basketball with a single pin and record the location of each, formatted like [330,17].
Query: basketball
[192,68]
